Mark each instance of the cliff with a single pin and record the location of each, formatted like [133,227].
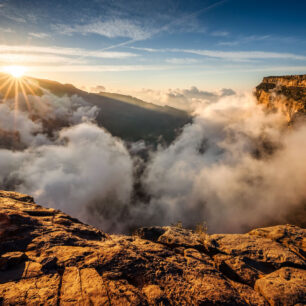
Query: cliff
[50,258]
[287,93]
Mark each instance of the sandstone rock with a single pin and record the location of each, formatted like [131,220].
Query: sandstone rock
[286,286]
[245,258]
[50,258]
[250,296]
[155,295]
[286,93]
[31,291]
[292,237]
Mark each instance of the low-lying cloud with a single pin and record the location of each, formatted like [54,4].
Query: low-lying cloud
[72,169]
[234,167]
[184,99]
[85,166]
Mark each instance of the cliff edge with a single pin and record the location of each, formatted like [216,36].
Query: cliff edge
[50,258]
[287,93]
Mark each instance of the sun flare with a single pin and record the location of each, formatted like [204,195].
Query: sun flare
[15,71]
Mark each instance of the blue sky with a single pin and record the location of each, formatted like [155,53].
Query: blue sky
[135,44]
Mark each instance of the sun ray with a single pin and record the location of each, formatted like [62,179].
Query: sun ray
[35,84]
[5,76]
[16,106]
[8,90]
[5,83]
[25,95]
[30,89]
[43,106]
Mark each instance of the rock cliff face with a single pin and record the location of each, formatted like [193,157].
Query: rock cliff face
[49,258]
[287,93]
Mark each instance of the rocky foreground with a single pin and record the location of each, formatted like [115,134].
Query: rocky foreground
[50,258]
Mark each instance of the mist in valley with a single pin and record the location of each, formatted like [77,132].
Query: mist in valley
[234,167]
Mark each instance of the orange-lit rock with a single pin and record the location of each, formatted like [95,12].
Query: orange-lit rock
[50,258]
[286,93]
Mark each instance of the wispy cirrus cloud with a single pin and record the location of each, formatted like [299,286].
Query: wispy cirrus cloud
[147,49]
[25,59]
[111,28]
[69,52]
[220,33]
[7,30]
[244,40]
[230,55]
[97,68]
[245,55]
[140,28]
[15,18]
[182,61]
[39,35]
[7,13]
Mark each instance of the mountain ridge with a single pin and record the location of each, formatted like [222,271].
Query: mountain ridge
[128,121]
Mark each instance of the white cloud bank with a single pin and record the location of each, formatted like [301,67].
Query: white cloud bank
[235,167]
[184,99]
[86,168]
[81,169]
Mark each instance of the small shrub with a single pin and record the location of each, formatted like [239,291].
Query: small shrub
[201,230]
[178,224]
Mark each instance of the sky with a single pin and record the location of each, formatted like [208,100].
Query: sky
[130,45]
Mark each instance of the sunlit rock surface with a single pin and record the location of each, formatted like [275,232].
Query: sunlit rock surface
[49,258]
[287,93]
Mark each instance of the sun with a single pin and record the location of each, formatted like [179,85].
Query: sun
[15,71]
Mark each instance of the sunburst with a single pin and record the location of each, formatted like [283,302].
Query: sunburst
[15,83]
[15,71]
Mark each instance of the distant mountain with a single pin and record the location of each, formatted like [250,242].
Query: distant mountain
[123,116]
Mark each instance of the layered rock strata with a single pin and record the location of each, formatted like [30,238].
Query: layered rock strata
[287,93]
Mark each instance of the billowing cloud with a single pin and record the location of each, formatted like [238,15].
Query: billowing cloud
[39,117]
[86,172]
[185,99]
[66,110]
[235,167]
[17,127]
[79,168]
